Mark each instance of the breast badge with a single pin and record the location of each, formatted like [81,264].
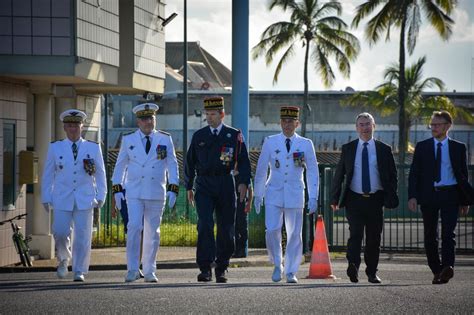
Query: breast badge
[89,165]
[161,152]
[298,159]
[277,164]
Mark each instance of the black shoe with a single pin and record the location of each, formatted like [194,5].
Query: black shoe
[205,276]
[239,255]
[374,279]
[352,273]
[220,276]
[446,274]
[436,279]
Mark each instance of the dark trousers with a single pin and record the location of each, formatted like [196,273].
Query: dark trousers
[446,204]
[241,229]
[215,194]
[364,213]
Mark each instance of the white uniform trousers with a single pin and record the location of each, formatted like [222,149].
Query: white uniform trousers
[143,215]
[294,245]
[79,221]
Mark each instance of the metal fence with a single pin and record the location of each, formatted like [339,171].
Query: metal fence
[403,229]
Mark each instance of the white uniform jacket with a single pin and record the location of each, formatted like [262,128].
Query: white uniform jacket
[66,181]
[285,185]
[142,175]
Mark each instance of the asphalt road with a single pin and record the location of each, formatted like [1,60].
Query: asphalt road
[406,288]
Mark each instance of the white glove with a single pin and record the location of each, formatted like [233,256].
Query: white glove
[118,196]
[257,201]
[100,203]
[171,196]
[312,205]
[47,206]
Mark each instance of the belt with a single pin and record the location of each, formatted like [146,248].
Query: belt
[214,173]
[445,188]
[370,195]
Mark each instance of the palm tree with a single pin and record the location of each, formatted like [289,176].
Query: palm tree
[384,98]
[322,35]
[406,15]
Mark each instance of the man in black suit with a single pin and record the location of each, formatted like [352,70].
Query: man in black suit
[371,184]
[438,183]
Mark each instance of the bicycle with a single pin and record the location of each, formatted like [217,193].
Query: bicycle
[20,242]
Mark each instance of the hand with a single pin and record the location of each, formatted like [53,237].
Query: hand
[258,201]
[312,205]
[47,206]
[171,196]
[242,192]
[100,204]
[191,197]
[463,210]
[412,204]
[335,207]
[118,197]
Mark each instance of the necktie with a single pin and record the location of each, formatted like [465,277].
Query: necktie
[74,150]
[287,144]
[438,163]
[148,144]
[214,132]
[365,170]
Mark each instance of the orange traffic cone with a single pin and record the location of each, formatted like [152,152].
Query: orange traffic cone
[320,266]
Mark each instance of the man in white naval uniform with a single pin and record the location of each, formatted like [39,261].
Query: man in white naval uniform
[145,162]
[73,184]
[287,154]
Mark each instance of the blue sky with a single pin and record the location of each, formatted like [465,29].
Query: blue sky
[209,22]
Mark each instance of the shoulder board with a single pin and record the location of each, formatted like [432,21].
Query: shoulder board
[127,133]
[164,132]
[232,128]
[92,141]
[57,140]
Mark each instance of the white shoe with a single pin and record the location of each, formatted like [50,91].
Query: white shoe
[62,269]
[141,273]
[132,275]
[291,278]
[78,276]
[276,276]
[151,277]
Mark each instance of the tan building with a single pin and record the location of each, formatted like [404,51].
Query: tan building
[60,54]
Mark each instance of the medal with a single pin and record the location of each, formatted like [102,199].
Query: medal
[161,152]
[298,159]
[89,165]
[226,155]
[277,164]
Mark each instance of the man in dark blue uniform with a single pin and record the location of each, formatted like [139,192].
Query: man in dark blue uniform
[211,160]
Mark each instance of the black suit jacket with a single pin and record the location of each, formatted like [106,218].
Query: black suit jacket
[345,170]
[421,178]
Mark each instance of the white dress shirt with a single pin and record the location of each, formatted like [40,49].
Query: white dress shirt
[375,184]
[447,174]
[218,129]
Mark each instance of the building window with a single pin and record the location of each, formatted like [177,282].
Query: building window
[9,150]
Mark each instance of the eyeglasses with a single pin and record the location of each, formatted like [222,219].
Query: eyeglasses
[437,125]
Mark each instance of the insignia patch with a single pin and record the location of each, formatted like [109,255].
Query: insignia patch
[228,135]
[201,144]
[277,164]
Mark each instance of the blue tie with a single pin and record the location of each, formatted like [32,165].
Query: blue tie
[365,170]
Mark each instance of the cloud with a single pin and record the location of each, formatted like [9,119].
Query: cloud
[209,21]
